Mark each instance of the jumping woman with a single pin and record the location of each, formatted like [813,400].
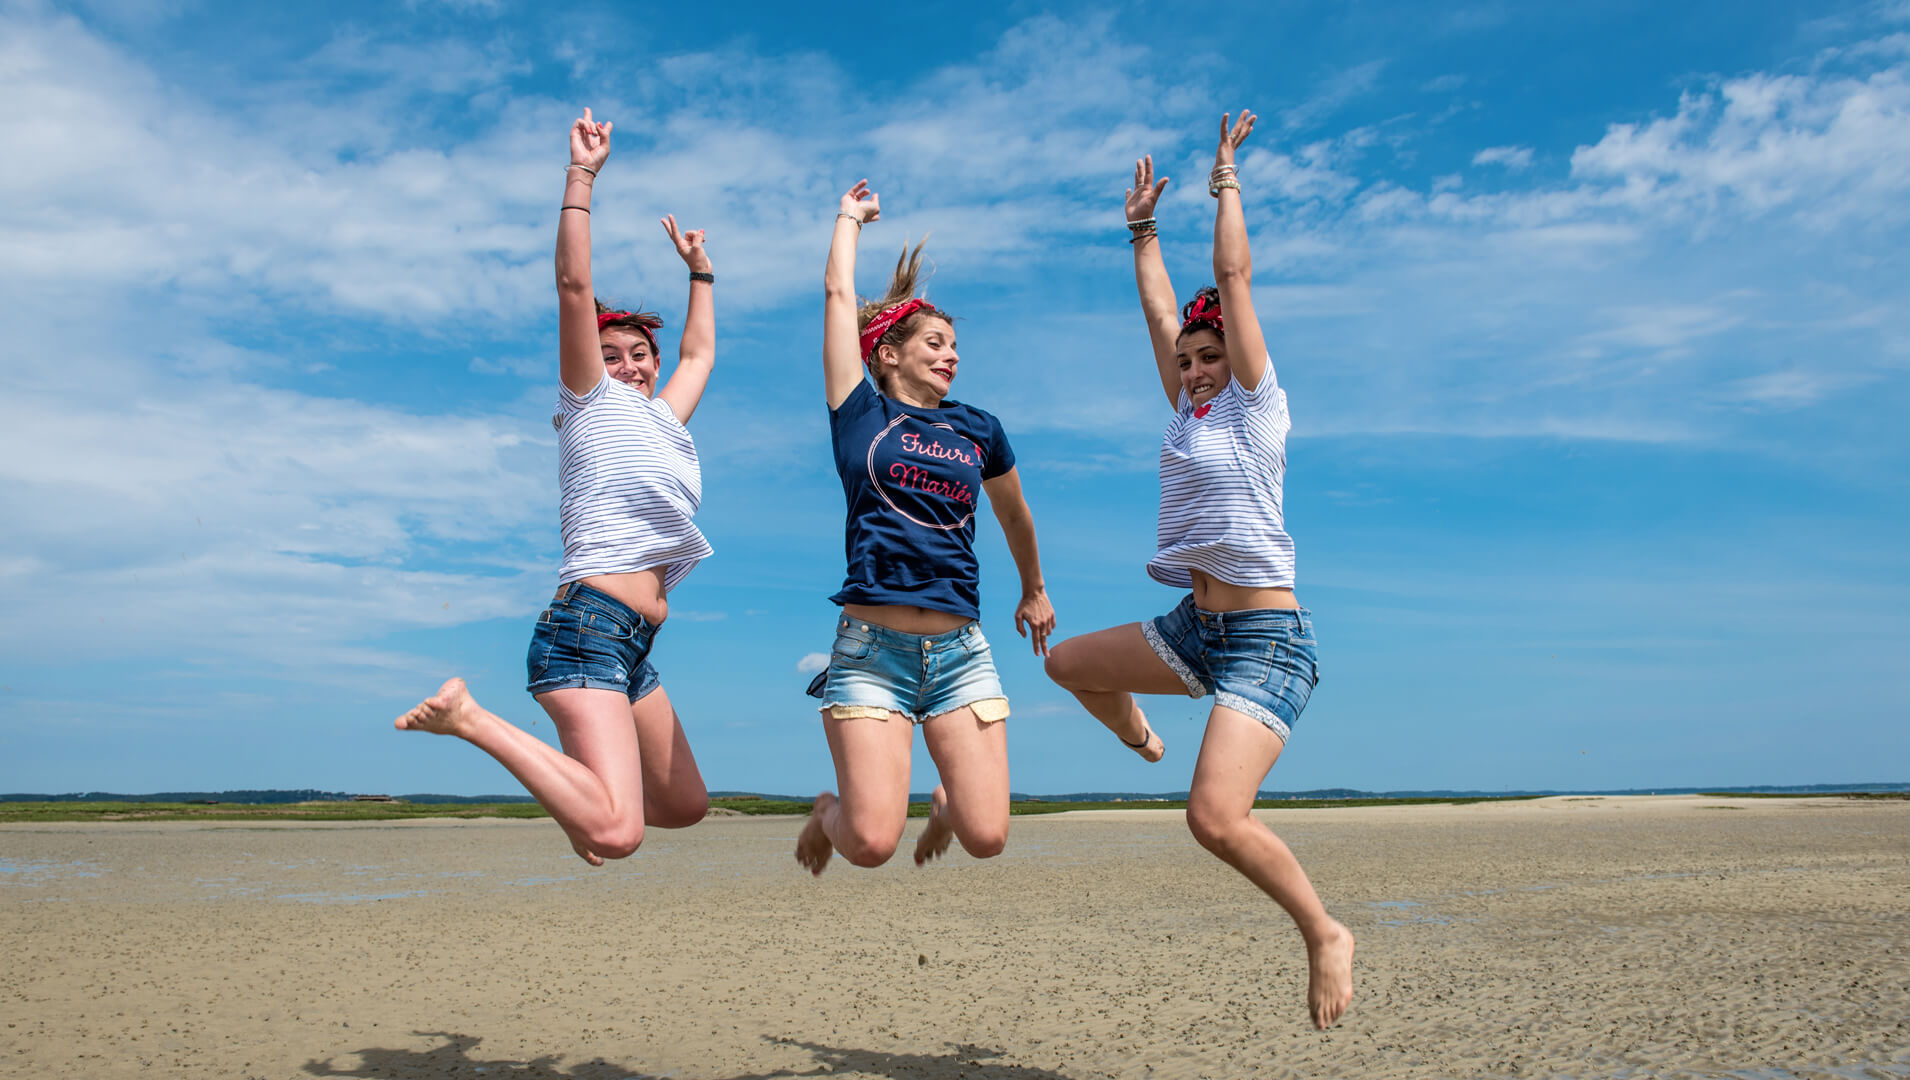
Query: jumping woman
[629,484]
[908,650]
[1239,634]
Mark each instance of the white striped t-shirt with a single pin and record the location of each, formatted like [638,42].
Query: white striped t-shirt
[629,484]
[1222,468]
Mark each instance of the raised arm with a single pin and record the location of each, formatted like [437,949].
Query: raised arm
[841,347]
[1233,266]
[1034,615]
[696,353]
[1150,275]
[580,360]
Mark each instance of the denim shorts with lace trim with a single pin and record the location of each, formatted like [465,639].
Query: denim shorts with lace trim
[874,671]
[588,638]
[1262,662]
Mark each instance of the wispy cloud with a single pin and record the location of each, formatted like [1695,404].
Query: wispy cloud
[1333,93]
[1513,158]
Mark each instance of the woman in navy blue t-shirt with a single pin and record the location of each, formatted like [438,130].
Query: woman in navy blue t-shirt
[908,650]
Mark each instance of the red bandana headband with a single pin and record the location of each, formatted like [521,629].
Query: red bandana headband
[885,321]
[1203,315]
[605,318]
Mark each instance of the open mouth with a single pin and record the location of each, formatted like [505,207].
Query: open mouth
[947,375]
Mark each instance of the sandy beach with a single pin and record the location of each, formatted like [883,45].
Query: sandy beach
[1614,937]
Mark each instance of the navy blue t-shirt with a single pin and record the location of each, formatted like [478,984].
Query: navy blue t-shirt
[913,479]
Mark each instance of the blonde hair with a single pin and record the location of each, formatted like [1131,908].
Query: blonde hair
[902,284]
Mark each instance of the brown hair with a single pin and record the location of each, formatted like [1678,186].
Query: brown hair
[646,323]
[908,274]
[1210,314]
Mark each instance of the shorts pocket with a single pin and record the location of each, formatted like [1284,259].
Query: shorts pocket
[1291,668]
[537,659]
[852,648]
[602,624]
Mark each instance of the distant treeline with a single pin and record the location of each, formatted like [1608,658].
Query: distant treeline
[308,795]
[255,798]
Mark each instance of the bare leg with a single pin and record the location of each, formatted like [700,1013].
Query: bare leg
[594,789]
[973,760]
[674,796]
[872,768]
[1234,759]
[1104,670]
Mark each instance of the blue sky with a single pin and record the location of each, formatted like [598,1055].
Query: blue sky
[1593,323]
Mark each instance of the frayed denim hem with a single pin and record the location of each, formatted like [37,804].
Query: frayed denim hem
[1257,711]
[1195,688]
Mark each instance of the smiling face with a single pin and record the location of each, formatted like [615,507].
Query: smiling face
[629,359]
[923,368]
[1203,365]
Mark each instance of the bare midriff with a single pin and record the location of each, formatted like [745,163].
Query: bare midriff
[906,618]
[639,590]
[1212,594]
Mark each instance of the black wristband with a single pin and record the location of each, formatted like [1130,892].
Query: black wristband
[698,275]
[585,209]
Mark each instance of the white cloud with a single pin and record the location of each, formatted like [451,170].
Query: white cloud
[812,663]
[1513,158]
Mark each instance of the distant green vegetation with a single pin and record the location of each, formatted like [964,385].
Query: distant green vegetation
[20,812]
[310,811]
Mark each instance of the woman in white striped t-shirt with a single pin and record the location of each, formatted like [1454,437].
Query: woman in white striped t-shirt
[1239,634]
[629,483]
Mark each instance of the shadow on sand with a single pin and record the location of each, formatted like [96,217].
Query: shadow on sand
[454,1060]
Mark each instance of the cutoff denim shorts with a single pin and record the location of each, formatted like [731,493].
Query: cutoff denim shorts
[874,670]
[1261,662]
[587,638]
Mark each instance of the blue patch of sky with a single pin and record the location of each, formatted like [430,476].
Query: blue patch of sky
[1692,580]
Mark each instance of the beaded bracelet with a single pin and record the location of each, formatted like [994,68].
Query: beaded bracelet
[706,278]
[1214,188]
[1138,229]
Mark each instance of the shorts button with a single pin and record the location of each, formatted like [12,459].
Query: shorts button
[865,626]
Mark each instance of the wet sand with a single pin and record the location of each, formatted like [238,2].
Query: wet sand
[1619,937]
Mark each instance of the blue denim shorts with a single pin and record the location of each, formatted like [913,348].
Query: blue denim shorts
[1262,662]
[874,671]
[587,638]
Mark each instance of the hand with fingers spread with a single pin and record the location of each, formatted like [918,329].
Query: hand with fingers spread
[1232,137]
[1146,191]
[589,142]
[689,245]
[860,203]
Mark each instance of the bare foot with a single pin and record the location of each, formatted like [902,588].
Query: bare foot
[813,848]
[585,853]
[934,840]
[1150,746]
[450,711]
[1330,976]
